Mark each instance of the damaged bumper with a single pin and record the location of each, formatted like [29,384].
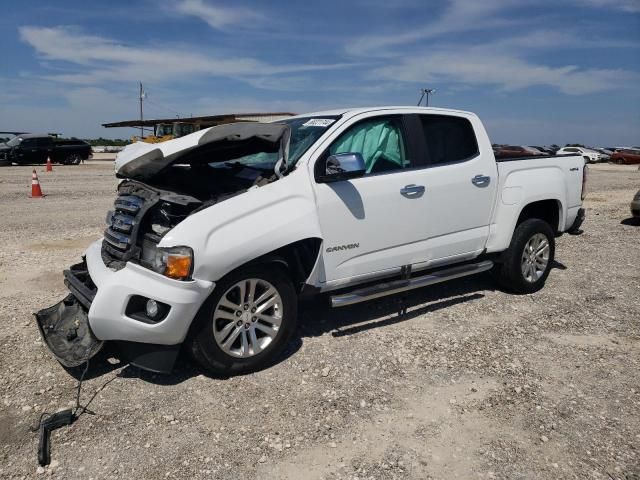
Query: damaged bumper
[65,330]
[104,305]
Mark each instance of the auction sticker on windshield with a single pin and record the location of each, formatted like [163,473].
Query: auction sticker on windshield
[318,122]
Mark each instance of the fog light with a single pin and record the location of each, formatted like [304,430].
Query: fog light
[152,308]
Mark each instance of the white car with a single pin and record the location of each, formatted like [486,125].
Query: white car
[591,156]
[214,236]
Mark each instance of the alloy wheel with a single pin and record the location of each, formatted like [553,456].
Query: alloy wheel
[247,318]
[535,257]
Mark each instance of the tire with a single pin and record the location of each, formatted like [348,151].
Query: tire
[73,159]
[510,272]
[241,343]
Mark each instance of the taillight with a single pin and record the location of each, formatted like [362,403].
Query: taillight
[585,172]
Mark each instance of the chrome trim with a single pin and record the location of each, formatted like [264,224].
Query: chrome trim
[481,180]
[412,191]
[122,222]
[129,203]
[360,279]
[396,286]
[116,239]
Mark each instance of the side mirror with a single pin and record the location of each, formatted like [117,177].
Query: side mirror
[343,166]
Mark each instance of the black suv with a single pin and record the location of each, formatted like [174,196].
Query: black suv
[30,148]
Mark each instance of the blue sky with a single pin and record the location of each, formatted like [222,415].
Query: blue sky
[537,72]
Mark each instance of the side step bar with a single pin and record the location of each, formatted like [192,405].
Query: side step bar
[396,286]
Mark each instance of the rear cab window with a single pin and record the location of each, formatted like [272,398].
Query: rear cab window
[448,139]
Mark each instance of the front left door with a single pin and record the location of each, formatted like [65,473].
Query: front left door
[374,224]
[28,152]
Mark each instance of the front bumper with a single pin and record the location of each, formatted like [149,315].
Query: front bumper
[65,330]
[107,313]
[96,310]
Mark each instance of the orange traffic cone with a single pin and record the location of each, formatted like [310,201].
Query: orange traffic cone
[49,165]
[36,191]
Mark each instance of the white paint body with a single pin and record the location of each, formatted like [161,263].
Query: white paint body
[453,221]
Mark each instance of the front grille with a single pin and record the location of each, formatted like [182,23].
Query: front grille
[119,244]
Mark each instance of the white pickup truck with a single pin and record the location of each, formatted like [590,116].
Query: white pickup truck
[215,236]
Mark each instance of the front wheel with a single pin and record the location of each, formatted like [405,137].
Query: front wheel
[246,322]
[525,266]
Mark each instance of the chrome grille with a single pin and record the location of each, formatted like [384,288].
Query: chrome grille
[122,222]
[129,203]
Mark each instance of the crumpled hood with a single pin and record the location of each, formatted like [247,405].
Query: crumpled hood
[143,160]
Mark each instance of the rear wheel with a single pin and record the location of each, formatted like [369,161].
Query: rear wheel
[73,159]
[526,264]
[247,321]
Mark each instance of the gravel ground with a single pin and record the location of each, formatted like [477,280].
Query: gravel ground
[470,383]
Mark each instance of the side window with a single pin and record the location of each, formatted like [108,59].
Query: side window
[448,139]
[45,142]
[379,140]
[28,143]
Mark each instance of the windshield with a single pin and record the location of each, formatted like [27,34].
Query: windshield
[304,133]
[14,141]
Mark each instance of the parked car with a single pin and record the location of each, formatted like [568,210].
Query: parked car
[589,155]
[514,151]
[635,205]
[627,157]
[214,236]
[544,150]
[29,148]
[605,155]
[537,151]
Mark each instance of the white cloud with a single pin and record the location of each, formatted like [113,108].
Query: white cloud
[481,66]
[219,17]
[631,6]
[103,60]
[499,58]
[458,16]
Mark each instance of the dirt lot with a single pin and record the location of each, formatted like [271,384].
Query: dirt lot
[471,383]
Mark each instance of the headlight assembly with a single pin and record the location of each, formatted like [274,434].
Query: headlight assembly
[173,262]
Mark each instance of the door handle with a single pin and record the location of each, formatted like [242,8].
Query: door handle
[412,190]
[481,180]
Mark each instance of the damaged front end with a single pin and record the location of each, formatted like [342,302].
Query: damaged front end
[65,326]
[162,185]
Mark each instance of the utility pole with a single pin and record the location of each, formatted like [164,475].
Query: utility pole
[426,92]
[142,96]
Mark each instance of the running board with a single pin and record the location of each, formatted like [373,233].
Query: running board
[396,286]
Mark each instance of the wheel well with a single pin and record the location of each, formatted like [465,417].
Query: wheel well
[298,258]
[547,210]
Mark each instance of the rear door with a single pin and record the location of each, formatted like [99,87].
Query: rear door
[460,180]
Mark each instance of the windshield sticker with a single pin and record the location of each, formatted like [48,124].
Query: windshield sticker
[318,122]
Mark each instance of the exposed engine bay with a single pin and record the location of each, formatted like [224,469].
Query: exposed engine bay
[152,201]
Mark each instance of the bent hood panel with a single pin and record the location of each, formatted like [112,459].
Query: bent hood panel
[143,160]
